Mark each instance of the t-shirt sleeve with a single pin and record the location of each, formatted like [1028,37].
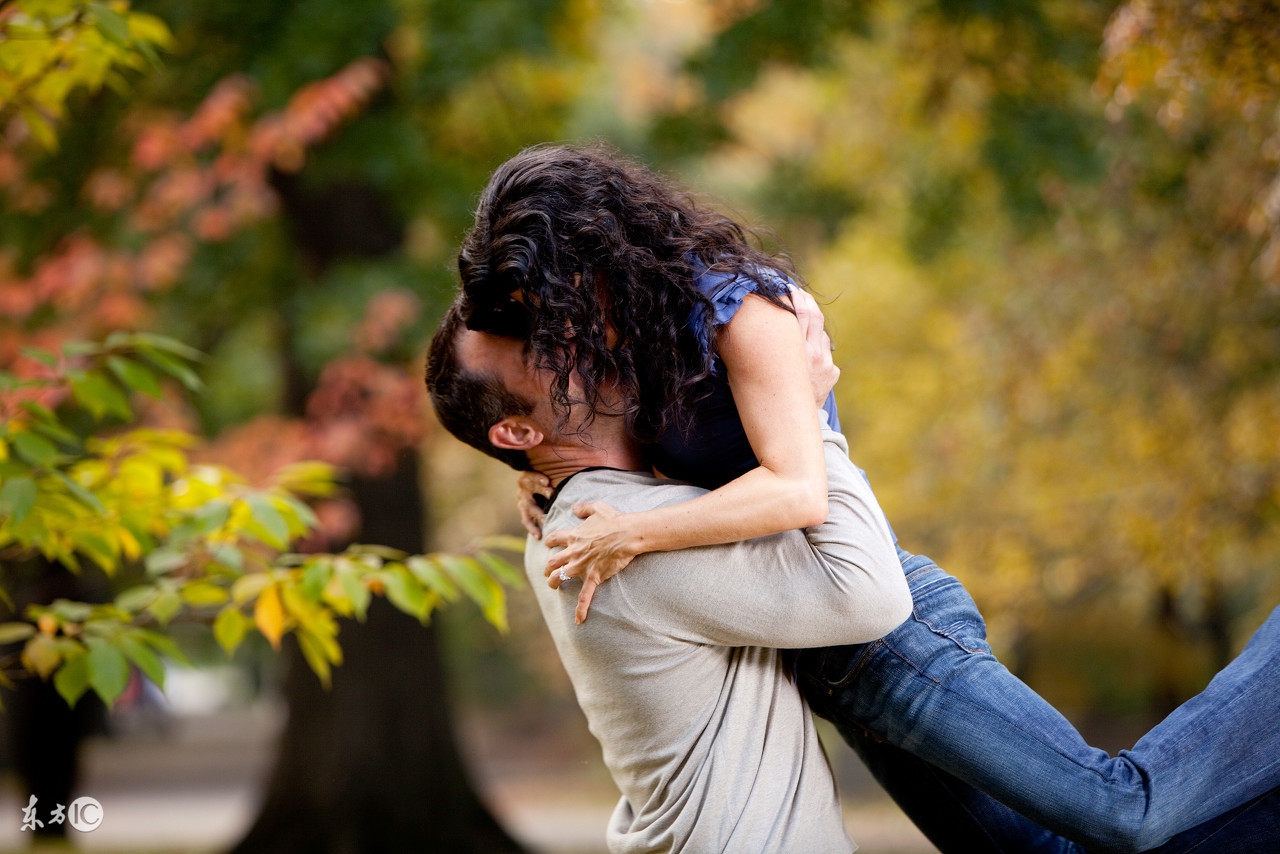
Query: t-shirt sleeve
[835,583]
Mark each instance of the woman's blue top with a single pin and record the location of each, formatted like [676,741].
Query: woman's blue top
[715,450]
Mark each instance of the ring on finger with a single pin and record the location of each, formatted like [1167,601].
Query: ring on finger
[564,576]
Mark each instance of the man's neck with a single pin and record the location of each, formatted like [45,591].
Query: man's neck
[558,462]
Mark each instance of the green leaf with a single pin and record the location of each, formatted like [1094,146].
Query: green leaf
[384,552]
[105,553]
[307,478]
[250,586]
[81,493]
[314,653]
[100,396]
[18,497]
[14,632]
[136,598]
[211,516]
[36,450]
[429,573]
[166,606]
[229,556]
[40,127]
[173,367]
[202,593]
[72,679]
[108,669]
[314,578]
[164,560]
[165,343]
[162,644]
[44,357]
[72,612]
[355,591]
[111,24]
[503,542]
[134,376]
[502,570]
[482,589]
[303,515]
[149,53]
[81,348]
[407,593]
[41,655]
[268,524]
[53,430]
[229,628]
[146,660]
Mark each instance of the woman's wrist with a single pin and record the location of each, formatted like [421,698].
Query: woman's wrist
[634,536]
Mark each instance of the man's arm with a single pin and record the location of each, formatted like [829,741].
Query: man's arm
[836,583]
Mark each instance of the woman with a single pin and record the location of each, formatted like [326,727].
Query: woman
[607,271]
[550,224]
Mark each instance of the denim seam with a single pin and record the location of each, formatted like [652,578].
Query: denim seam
[859,664]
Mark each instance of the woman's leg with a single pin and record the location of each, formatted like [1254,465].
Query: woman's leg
[958,819]
[932,688]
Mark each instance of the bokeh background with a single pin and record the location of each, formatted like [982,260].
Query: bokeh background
[1044,233]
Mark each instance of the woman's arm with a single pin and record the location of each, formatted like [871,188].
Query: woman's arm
[764,351]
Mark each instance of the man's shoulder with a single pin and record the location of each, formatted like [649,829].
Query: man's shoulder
[625,491]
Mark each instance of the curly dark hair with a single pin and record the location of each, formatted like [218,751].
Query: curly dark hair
[592,259]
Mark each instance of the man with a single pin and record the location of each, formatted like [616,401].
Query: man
[707,739]
[677,669]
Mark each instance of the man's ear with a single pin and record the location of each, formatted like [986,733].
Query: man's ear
[515,434]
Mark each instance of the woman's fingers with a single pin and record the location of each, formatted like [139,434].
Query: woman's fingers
[531,517]
[584,600]
[528,485]
[593,551]
[823,372]
[557,539]
[557,577]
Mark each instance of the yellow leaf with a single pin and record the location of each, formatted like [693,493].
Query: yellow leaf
[41,655]
[129,543]
[268,615]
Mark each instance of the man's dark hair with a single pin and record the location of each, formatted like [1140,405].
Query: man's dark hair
[593,260]
[468,404]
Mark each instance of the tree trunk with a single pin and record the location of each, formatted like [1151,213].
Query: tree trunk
[43,734]
[370,765]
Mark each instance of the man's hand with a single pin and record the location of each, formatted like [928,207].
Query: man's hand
[594,551]
[823,372]
[529,484]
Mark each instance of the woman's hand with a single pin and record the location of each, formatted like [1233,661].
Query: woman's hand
[823,372]
[594,551]
[529,484]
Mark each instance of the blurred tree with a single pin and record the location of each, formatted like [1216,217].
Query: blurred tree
[55,47]
[1057,301]
[140,201]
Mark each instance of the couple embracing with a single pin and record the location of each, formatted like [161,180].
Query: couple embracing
[716,567]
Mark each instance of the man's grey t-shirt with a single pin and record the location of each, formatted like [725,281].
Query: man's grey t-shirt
[678,673]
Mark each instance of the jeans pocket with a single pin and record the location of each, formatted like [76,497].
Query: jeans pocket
[834,666]
[940,602]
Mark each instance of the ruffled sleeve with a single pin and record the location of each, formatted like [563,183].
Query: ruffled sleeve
[726,291]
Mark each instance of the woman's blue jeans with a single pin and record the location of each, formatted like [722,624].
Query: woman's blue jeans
[933,689]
